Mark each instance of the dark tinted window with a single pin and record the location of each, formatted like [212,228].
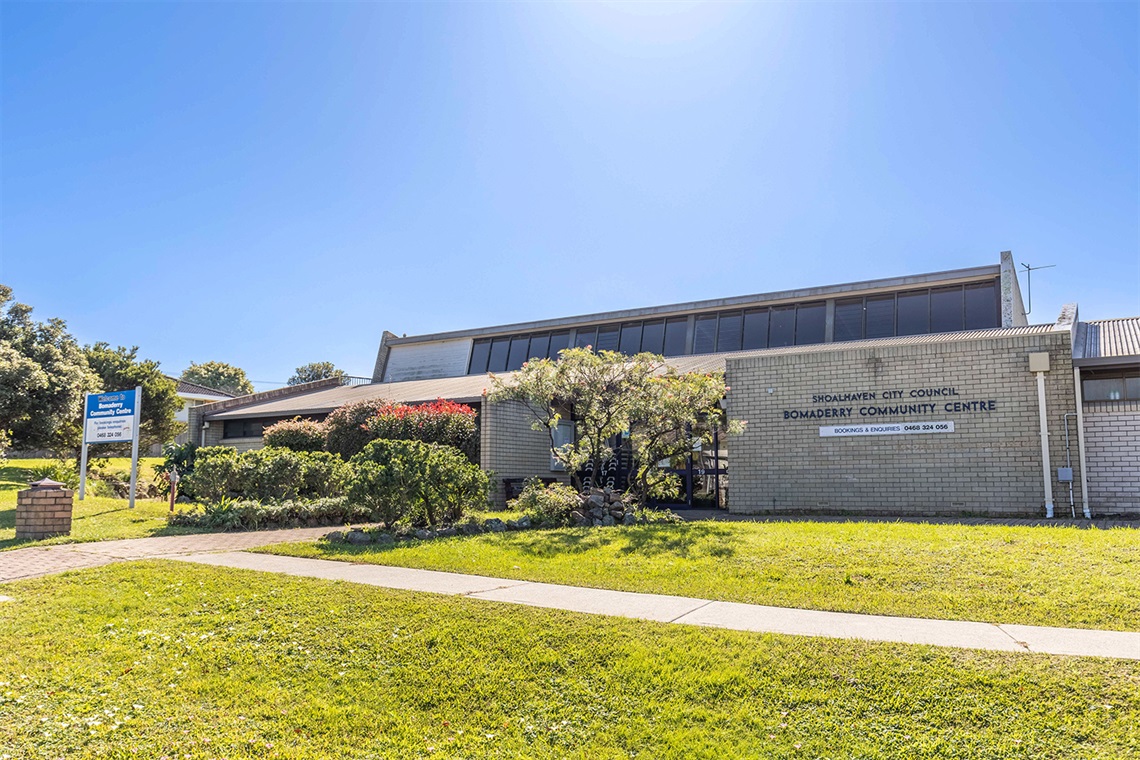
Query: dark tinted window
[607,338]
[879,317]
[756,329]
[1102,389]
[848,319]
[782,328]
[630,338]
[587,336]
[810,320]
[558,342]
[981,306]
[675,336]
[244,428]
[914,313]
[539,346]
[479,353]
[704,337]
[653,337]
[1132,388]
[946,309]
[518,354]
[499,349]
[729,331]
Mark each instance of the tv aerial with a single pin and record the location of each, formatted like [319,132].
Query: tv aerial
[1029,283]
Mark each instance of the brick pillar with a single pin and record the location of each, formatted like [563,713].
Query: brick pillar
[44,510]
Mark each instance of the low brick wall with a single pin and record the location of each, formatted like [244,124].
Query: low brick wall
[43,512]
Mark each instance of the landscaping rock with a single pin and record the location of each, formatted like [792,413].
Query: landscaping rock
[448,531]
[523,522]
[470,529]
[384,538]
[495,525]
[597,513]
[597,500]
[608,520]
[336,536]
[424,534]
[597,523]
[629,518]
[358,537]
[618,505]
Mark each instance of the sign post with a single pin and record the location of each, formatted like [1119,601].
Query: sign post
[112,418]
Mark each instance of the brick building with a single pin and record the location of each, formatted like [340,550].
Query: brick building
[927,394]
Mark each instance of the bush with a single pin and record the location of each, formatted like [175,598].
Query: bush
[296,435]
[229,514]
[423,483]
[547,505]
[180,456]
[59,470]
[268,474]
[444,422]
[346,434]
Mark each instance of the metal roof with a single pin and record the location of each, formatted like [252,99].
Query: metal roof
[469,388]
[1107,341]
[185,386]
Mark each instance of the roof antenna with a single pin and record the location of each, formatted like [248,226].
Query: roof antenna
[1029,283]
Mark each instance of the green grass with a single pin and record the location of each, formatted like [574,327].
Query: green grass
[1030,575]
[95,518]
[162,658]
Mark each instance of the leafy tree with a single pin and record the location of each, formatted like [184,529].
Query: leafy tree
[43,379]
[314,371]
[607,394]
[120,369]
[219,376]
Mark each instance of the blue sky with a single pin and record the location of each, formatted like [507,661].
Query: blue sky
[270,184]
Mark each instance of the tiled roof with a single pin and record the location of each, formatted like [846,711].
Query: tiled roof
[469,388]
[1103,340]
[185,386]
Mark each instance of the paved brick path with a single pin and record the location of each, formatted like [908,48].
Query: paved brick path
[45,560]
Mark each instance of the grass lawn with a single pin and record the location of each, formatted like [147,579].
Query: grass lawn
[95,518]
[162,658]
[1032,575]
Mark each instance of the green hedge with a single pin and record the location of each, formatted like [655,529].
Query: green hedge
[269,474]
[231,514]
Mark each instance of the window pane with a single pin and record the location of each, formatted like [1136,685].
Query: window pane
[518,353]
[704,337]
[848,319]
[653,337]
[1106,389]
[1132,388]
[607,338]
[539,346]
[946,309]
[480,351]
[499,348]
[730,331]
[587,336]
[675,336]
[232,429]
[810,320]
[558,342]
[755,329]
[630,338]
[880,316]
[981,306]
[914,313]
[782,329]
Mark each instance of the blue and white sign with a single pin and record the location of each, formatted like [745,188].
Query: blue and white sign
[110,417]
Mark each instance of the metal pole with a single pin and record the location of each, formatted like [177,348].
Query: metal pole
[83,463]
[716,469]
[135,444]
[1045,464]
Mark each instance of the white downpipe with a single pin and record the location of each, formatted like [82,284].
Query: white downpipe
[1081,445]
[1045,463]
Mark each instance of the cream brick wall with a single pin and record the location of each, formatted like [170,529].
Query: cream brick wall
[989,465]
[1113,457]
[509,447]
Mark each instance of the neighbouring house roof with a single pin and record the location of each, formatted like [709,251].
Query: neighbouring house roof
[1107,342]
[189,388]
[470,388]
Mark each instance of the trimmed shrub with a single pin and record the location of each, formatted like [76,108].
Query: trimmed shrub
[296,435]
[547,505]
[423,483]
[180,456]
[230,514]
[346,434]
[268,474]
[443,422]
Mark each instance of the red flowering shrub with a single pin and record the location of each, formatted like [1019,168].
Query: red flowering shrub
[442,422]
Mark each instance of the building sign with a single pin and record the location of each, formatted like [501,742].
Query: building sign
[891,428]
[110,417]
[894,402]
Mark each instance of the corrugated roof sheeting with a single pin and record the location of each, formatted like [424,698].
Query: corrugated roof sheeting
[1108,339]
[470,388]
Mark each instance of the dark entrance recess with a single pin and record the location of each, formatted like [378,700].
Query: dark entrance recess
[703,472]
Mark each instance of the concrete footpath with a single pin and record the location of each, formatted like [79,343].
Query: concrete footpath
[700,612]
